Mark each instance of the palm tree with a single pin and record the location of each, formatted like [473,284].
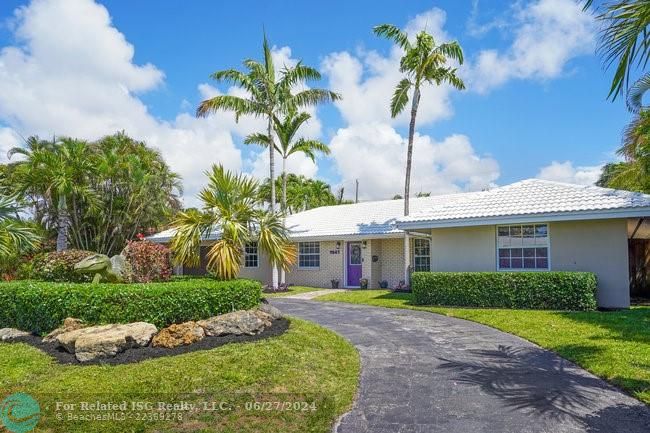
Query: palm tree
[16,236]
[286,130]
[269,95]
[60,172]
[423,62]
[232,208]
[625,40]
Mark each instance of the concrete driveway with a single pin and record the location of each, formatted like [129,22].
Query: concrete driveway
[423,372]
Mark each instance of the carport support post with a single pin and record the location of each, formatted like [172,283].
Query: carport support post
[407,258]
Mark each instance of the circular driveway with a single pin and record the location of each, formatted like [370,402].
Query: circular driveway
[423,372]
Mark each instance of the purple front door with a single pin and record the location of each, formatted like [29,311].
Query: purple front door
[354,264]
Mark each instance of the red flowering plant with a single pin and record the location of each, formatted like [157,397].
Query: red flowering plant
[147,262]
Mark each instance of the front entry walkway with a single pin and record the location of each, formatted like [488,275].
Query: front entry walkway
[423,372]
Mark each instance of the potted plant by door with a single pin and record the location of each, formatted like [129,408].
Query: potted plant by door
[335,283]
[383,284]
[363,283]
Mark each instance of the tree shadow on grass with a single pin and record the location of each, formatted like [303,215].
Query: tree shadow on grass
[543,385]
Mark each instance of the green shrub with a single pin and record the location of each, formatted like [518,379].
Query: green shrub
[534,290]
[41,307]
[59,266]
[146,262]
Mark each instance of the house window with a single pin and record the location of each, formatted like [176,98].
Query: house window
[250,255]
[523,247]
[309,255]
[421,255]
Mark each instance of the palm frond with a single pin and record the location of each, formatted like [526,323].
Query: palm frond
[311,97]
[400,97]
[309,148]
[258,138]
[452,50]
[239,105]
[394,34]
[636,92]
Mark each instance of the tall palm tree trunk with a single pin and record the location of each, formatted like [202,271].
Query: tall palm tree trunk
[274,268]
[284,184]
[409,152]
[63,222]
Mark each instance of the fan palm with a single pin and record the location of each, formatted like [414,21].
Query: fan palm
[288,144]
[232,208]
[16,236]
[423,62]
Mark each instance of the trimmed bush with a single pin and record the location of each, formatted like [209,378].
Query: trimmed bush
[59,266]
[532,290]
[147,261]
[41,307]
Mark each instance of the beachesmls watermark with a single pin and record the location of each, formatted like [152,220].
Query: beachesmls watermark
[19,413]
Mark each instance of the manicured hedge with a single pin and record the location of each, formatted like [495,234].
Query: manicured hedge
[41,307]
[534,290]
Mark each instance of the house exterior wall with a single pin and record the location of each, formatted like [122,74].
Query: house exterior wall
[261,273]
[463,249]
[598,246]
[375,267]
[331,266]
[392,261]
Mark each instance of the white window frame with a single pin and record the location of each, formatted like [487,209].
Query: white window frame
[547,246]
[415,240]
[318,254]
[256,254]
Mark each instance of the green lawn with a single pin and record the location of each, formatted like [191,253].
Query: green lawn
[293,290]
[612,345]
[307,363]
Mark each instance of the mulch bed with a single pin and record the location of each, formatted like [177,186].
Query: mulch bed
[129,356]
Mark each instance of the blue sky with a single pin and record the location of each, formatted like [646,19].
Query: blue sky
[535,105]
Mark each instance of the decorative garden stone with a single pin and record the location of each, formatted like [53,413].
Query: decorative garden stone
[236,323]
[107,340]
[69,324]
[271,311]
[180,334]
[101,266]
[8,334]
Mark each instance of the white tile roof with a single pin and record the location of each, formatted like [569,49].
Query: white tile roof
[531,200]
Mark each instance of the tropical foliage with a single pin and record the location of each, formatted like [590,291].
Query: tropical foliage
[16,236]
[423,62]
[58,266]
[95,195]
[302,193]
[288,144]
[625,41]
[146,262]
[233,208]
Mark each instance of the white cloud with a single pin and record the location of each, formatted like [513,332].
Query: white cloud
[8,140]
[375,154]
[566,172]
[548,34]
[72,72]
[297,164]
[367,80]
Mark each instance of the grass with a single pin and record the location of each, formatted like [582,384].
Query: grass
[307,363]
[293,290]
[612,345]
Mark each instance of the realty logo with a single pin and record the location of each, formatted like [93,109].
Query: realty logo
[19,413]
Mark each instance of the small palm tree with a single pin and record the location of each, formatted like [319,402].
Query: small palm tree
[288,144]
[16,236]
[232,208]
[423,62]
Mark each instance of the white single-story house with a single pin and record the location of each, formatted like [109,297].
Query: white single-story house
[530,226]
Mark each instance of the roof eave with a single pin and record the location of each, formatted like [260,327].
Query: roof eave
[527,218]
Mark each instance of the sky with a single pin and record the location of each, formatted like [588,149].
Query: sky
[535,104]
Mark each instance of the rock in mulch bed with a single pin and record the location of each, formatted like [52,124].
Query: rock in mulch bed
[10,334]
[278,327]
[180,334]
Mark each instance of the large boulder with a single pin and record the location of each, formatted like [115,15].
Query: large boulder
[8,334]
[180,334]
[271,311]
[236,323]
[94,342]
[69,324]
